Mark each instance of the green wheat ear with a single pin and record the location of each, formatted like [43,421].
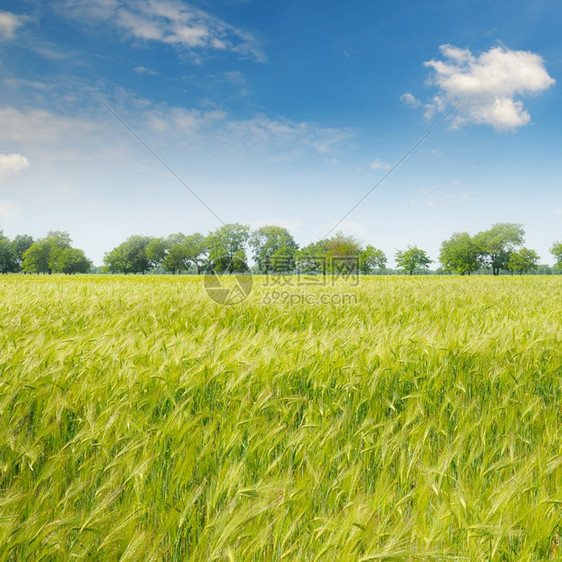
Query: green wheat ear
[140,420]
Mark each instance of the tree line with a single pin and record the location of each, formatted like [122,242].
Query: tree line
[273,249]
[52,254]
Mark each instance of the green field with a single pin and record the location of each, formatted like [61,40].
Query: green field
[142,421]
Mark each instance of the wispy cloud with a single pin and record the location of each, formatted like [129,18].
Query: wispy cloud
[9,23]
[11,164]
[209,129]
[167,21]
[378,164]
[263,131]
[488,84]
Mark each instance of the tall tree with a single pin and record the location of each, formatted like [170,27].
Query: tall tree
[227,247]
[268,241]
[460,254]
[411,259]
[497,243]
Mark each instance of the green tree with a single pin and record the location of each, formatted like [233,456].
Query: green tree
[71,261]
[42,255]
[177,257]
[268,241]
[460,254]
[283,260]
[313,258]
[497,243]
[36,258]
[197,250]
[8,262]
[556,251]
[411,259]
[227,247]
[130,256]
[342,253]
[523,260]
[20,244]
[371,259]
[156,251]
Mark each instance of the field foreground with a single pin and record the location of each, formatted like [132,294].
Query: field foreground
[140,420]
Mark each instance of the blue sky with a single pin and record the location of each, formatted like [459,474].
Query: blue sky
[280,113]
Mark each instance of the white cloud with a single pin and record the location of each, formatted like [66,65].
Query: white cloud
[379,164]
[8,25]
[9,210]
[488,84]
[410,100]
[167,21]
[12,164]
[144,70]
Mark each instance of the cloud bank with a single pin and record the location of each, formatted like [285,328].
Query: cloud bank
[489,85]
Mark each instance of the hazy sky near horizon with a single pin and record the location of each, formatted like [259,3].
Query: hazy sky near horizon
[280,113]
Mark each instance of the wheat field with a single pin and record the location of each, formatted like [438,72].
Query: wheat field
[140,420]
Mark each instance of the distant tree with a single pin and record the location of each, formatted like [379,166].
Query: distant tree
[523,260]
[283,260]
[8,262]
[342,253]
[313,258]
[411,259]
[20,244]
[227,247]
[371,259]
[71,261]
[268,241]
[460,254]
[556,251]
[130,256]
[497,243]
[156,251]
[197,250]
[177,258]
[42,255]
[115,261]
[36,258]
